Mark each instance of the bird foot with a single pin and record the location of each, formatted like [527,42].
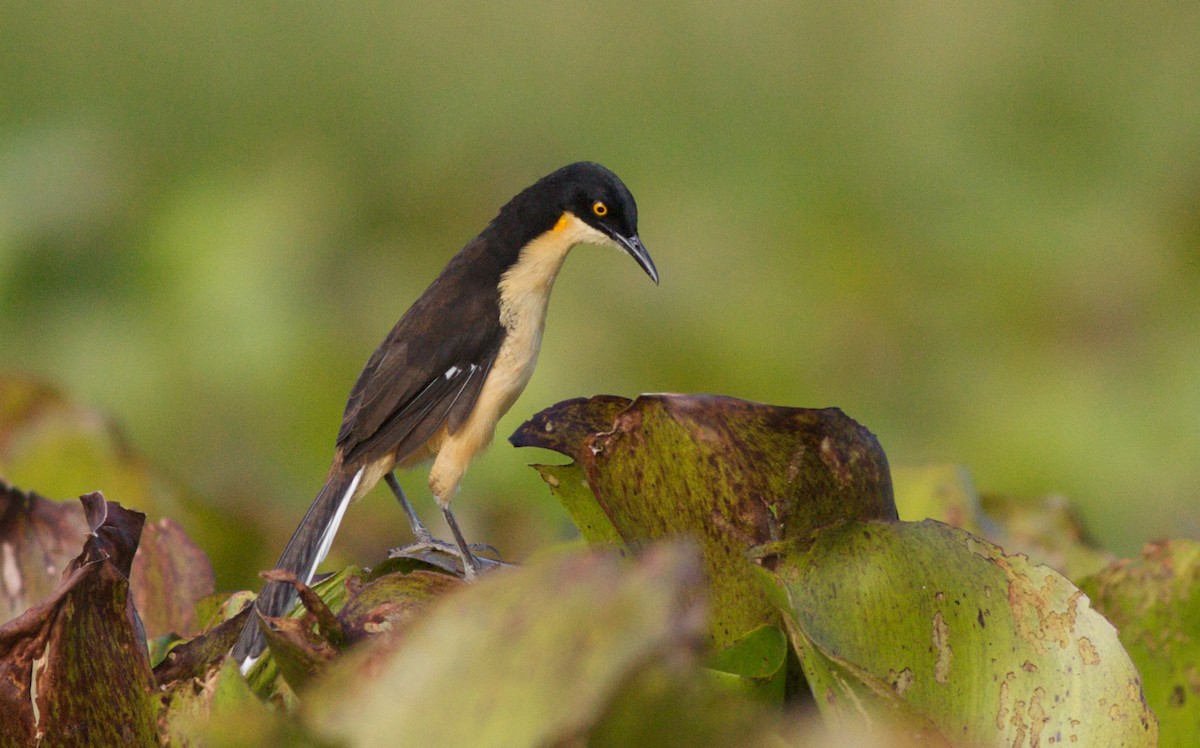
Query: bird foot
[447,556]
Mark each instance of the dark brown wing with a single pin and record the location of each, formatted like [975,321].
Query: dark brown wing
[434,360]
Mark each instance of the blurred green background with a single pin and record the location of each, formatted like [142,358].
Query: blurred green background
[975,229]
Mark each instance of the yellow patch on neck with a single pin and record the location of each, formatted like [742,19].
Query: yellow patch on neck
[564,221]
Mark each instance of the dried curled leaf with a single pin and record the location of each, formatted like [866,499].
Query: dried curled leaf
[74,669]
[39,537]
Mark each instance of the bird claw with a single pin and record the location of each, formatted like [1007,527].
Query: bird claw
[448,557]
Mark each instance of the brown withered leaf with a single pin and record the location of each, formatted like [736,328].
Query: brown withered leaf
[74,669]
[299,650]
[170,575]
[195,657]
[301,644]
[38,538]
[116,541]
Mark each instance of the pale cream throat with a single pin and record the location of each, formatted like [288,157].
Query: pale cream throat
[524,295]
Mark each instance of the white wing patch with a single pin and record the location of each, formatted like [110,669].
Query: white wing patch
[454,371]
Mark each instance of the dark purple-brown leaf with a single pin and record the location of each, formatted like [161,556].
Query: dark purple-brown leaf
[74,669]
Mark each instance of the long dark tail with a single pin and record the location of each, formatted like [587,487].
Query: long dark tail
[304,552]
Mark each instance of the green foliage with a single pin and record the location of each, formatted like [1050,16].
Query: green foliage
[747,560]
[528,657]
[1047,529]
[1155,602]
[943,630]
[975,227]
[756,664]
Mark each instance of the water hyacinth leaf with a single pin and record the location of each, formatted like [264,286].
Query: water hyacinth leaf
[1155,603]
[195,657]
[75,666]
[388,604]
[754,664]
[730,473]
[671,707]
[940,491]
[341,610]
[39,538]
[65,448]
[222,712]
[1046,529]
[526,656]
[197,678]
[930,621]
[170,575]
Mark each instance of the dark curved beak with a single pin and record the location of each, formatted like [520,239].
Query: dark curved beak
[633,245]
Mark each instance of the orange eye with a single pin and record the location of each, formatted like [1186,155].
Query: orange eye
[599,208]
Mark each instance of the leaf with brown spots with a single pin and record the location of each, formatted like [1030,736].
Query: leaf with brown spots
[195,657]
[1155,602]
[1047,529]
[732,474]
[389,604]
[995,650]
[342,610]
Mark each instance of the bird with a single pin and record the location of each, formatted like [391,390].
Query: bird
[453,365]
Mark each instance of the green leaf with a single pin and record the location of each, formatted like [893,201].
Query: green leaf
[569,485]
[940,491]
[389,604]
[220,711]
[754,664]
[730,473]
[927,623]
[67,449]
[1155,603]
[526,656]
[1046,529]
[668,707]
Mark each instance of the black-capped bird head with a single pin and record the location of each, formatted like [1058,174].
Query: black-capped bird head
[581,193]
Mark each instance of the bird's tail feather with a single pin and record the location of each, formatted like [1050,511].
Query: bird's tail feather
[304,553]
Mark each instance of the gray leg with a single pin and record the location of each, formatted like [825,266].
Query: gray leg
[418,528]
[426,542]
[471,566]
